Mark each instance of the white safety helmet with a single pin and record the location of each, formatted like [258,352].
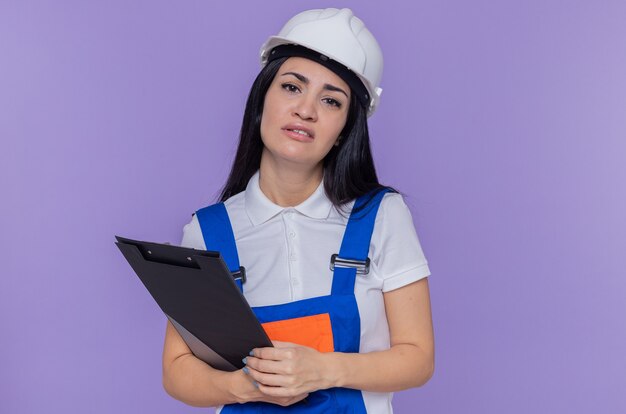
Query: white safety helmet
[340,36]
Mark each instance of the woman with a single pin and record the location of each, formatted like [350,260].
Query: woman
[344,339]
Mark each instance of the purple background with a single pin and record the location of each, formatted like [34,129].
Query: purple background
[504,123]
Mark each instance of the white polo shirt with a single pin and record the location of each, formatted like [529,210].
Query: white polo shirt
[286,252]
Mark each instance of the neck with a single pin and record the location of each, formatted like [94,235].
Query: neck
[288,184]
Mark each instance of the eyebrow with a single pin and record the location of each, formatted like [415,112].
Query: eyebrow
[305,80]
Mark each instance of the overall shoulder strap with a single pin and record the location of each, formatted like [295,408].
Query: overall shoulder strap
[217,232]
[356,242]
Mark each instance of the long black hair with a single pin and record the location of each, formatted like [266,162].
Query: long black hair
[349,170]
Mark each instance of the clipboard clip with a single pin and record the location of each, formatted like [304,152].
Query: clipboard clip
[240,274]
[362,266]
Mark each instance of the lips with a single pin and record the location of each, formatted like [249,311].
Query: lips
[299,131]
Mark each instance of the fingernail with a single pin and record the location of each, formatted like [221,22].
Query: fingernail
[246,370]
[251,353]
[256,384]
[245,360]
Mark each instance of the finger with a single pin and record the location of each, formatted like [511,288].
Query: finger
[287,401]
[277,391]
[299,397]
[284,401]
[272,380]
[266,365]
[282,344]
[274,354]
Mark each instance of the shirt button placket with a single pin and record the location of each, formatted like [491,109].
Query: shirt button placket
[295,276]
[296,291]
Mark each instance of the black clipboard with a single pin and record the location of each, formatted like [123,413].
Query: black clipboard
[198,294]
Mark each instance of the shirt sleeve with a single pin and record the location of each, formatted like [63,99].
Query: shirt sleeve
[192,235]
[395,248]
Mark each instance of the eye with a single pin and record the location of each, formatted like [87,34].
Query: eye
[290,87]
[332,102]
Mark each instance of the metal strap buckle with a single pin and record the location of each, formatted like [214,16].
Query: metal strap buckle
[240,274]
[362,266]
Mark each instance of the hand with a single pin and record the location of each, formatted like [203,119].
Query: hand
[288,369]
[248,391]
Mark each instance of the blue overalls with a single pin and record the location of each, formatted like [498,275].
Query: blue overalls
[331,322]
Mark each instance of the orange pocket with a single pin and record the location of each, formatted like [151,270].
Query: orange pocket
[313,331]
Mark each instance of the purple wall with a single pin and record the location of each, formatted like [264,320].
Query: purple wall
[503,122]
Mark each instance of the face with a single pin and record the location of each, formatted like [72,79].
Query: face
[305,110]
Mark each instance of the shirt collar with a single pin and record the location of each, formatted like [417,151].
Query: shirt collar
[260,208]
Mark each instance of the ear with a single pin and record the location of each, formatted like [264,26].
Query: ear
[338,141]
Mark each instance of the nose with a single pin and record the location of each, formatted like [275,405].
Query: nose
[306,108]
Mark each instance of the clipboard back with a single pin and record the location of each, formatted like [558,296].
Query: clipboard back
[196,291]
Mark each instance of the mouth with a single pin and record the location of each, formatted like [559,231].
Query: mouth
[299,131]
